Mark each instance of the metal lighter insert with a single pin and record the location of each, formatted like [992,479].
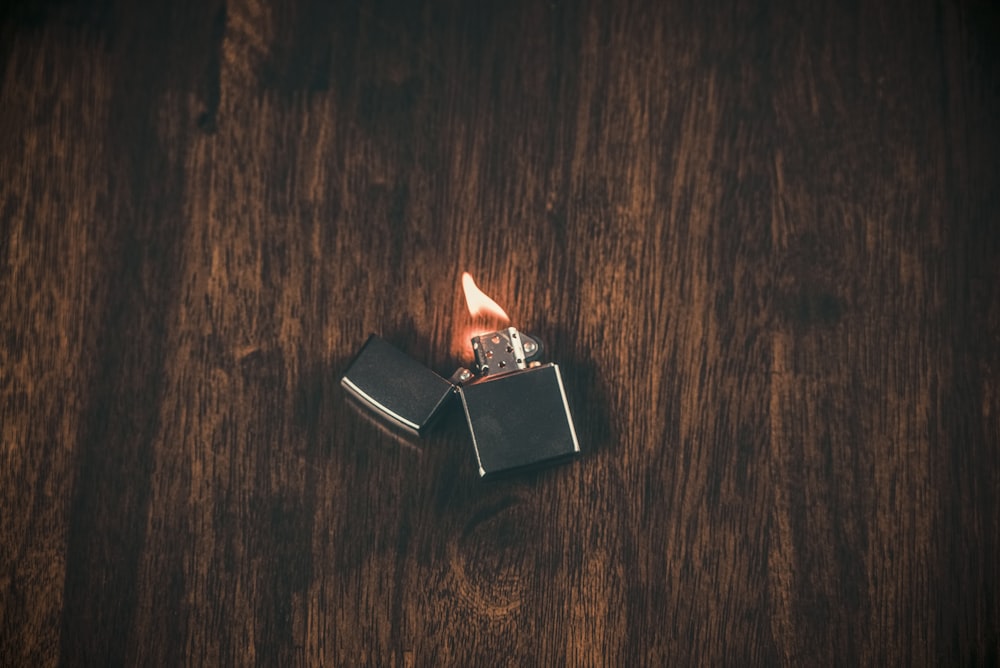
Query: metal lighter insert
[516,410]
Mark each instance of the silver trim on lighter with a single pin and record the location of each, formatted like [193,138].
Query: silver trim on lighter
[475,445]
[346,382]
[569,416]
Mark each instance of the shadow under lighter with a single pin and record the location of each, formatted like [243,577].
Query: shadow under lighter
[515,406]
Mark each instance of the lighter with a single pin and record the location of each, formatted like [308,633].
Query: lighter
[515,406]
[517,411]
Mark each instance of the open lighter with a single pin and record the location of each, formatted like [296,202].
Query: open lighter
[515,406]
[517,411]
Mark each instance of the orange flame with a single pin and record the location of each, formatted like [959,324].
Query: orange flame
[485,313]
[479,302]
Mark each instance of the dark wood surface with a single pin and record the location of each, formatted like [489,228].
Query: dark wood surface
[759,237]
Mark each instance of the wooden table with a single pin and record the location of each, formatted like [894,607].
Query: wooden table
[760,239]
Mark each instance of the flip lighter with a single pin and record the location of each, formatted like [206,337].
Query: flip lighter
[515,406]
[517,411]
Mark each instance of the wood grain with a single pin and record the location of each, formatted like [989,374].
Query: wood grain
[760,239]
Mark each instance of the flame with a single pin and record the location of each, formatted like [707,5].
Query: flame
[487,316]
[479,302]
